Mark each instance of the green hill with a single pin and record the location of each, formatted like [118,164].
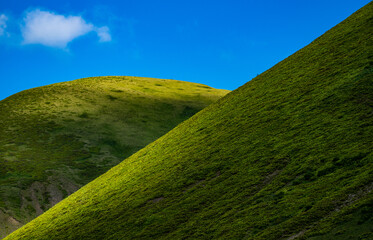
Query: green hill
[56,138]
[288,155]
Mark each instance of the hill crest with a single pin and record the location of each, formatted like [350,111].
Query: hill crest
[59,137]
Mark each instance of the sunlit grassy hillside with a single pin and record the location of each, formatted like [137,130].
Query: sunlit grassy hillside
[57,138]
[288,155]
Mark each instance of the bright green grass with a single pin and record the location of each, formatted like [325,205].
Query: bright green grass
[57,138]
[288,155]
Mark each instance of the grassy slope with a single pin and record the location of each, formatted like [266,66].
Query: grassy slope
[57,138]
[288,155]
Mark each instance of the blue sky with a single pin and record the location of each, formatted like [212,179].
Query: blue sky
[222,44]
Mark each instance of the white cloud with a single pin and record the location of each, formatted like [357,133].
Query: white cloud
[3,20]
[104,34]
[51,29]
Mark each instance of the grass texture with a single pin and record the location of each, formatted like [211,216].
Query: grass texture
[286,156]
[55,139]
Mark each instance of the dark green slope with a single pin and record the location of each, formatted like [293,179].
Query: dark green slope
[288,155]
[56,138]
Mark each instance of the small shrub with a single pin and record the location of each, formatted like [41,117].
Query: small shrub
[112,98]
[84,115]
[117,90]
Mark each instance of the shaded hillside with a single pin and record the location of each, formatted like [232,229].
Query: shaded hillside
[288,155]
[56,138]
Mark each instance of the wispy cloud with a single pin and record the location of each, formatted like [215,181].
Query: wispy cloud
[54,30]
[104,34]
[3,20]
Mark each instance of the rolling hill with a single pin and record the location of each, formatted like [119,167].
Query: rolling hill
[286,156]
[55,139]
